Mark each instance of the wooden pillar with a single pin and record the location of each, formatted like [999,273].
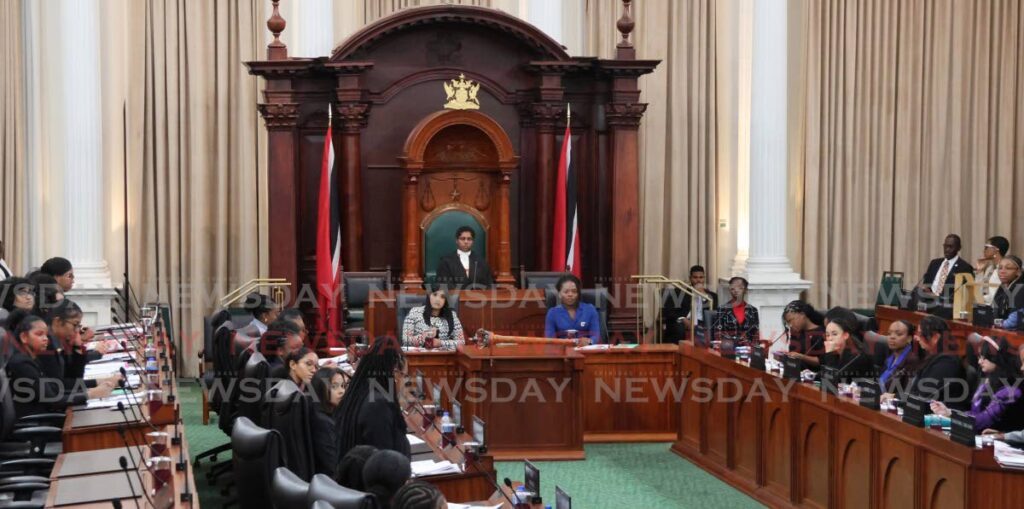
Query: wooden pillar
[411,277]
[281,118]
[545,117]
[352,116]
[504,275]
[624,121]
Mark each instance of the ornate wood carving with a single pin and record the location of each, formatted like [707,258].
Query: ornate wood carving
[625,114]
[352,117]
[279,115]
[276,50]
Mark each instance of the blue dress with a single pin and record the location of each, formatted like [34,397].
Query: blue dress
[587,322]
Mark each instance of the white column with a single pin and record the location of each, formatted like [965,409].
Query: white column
[81,131]
[772,280]
[313,29]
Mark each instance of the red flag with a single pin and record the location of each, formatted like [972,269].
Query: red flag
[328,244]
[565,251]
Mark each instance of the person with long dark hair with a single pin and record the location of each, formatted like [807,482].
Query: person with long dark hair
[18,293]
[434,324]
[370,412]
[34,392]
[327,387]
[941,376]
[844,347]
[350,469]
[302,365]
[67,353]
[996,403]
[806,333]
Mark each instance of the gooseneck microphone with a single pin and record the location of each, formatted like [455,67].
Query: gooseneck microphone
[131,488]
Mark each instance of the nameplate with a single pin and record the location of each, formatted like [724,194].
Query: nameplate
[791,368]
[728,349]
[830,380]
[914,410]
[531,477]
[870,394]
[961,428]
[757,356]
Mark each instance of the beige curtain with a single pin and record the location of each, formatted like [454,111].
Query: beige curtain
[13,134]
[197,146]
[677,135]
[912,131]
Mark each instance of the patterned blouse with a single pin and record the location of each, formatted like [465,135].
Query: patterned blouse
[415,327]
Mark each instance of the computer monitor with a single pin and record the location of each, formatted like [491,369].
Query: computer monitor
[479,430]
[531,477]
[562,499]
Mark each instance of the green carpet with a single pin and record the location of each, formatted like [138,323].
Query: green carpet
[613,475]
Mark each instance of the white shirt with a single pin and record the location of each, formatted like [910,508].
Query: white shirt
[947,265]
[5,271]
[464,258]
[989,292]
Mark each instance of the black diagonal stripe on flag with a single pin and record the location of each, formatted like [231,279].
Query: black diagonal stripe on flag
[565,251]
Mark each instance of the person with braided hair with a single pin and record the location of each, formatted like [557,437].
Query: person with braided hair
[384,474]
[418,495]
[369,410]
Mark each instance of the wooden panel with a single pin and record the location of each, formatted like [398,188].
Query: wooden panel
[814,455]
[778,446]
[717,422]
[896,466]
[690,410]
[853,464]
[631,391]
[943,486]
[746,436]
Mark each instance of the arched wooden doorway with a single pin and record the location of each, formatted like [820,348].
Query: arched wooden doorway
[457,161]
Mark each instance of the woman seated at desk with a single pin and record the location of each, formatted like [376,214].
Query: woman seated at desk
[903,361]
[1010,294]
[571,317]
[737,319]
[328,386]
[941,376]
[434,324]
[34,392]
[844,348]
[369,411]
[997,401]
[806,333]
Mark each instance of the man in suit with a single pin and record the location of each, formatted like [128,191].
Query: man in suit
[676,306]
[940,277]
[464,268]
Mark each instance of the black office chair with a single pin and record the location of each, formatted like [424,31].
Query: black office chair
[289,411]
[598,297]
[358,287]
[258,452]
[253,380]
[406,301]
[878,348]
[324,489]
[538,279]
[287,490]
[218,322]
[321,504]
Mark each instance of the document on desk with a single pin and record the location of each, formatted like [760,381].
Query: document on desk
[430,467]
[1008,456]
[466,506]
[112,401]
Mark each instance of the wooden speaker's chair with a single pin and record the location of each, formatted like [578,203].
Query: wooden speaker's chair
[439,237]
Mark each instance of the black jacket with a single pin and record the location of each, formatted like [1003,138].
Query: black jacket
[34,392]
[1008,298]
[451,273]
[727,325]
[675,305]
[326,442]
[960,267]
[381,424]
[942,378]
[852,365]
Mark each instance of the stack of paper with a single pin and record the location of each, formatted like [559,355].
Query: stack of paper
[452,505]
[594,347]
[119,356]
[430,467]
[112,401]
[1008,456]
[101,370]
[338,361]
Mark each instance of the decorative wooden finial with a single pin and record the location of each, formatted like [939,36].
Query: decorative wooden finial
[276,50]
[625,25]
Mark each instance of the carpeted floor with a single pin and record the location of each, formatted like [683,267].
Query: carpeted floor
[613,475]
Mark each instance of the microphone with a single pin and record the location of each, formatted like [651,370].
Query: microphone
[124,468]
[131,291]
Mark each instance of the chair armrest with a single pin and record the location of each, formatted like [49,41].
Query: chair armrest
[14,479]
[34,433]
[36,418]
[22,487]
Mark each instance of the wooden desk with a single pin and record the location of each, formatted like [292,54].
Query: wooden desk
[607,378]
[815,450]
[503,311]
[473,484]
[886,315]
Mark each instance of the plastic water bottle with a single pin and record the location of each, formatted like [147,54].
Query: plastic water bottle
[447,431]
[151,364]
[521,498]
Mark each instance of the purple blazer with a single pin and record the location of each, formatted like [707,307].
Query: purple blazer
[988,411]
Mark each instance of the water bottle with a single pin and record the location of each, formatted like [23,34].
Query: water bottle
[521,498]
[447,431]
[151,365]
